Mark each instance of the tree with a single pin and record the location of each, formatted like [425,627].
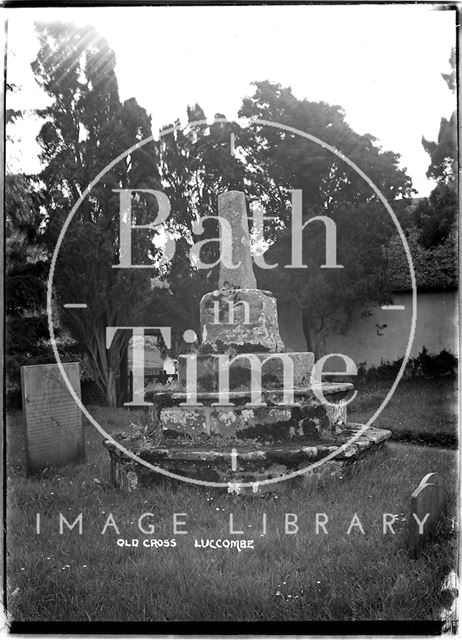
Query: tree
[195,165]
[85,128]
[284,160]
[26,266]
[436,216]
[281,161]
[435,267]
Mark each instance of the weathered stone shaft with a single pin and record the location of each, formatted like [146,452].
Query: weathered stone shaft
[232,207]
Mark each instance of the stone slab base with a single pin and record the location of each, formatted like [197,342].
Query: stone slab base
[333,392]
[291,369]
[251,465]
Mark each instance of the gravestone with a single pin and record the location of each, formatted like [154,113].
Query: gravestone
[427,503]
[53,420]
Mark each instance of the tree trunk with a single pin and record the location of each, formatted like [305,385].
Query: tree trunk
[310,334]
[111,390]
[123,387]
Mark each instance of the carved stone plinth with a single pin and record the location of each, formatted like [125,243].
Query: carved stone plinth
[297,364]
[307,418]
[240,317]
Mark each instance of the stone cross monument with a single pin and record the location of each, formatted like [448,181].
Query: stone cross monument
[245,387]
[238,313]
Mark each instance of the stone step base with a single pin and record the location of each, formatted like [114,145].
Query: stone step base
[267,424]
[233,467]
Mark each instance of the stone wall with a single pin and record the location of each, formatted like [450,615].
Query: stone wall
[367,340]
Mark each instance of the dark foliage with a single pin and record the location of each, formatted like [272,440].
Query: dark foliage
[443,364]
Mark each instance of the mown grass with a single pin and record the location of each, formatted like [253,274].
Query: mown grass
[87,577]
[420,409]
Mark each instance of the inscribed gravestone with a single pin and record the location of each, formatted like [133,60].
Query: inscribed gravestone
[54,429]
[427,503]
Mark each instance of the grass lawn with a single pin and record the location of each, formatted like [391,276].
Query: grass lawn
[333,576]
[420,410]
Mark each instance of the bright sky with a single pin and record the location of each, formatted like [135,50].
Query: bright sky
[382,64]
